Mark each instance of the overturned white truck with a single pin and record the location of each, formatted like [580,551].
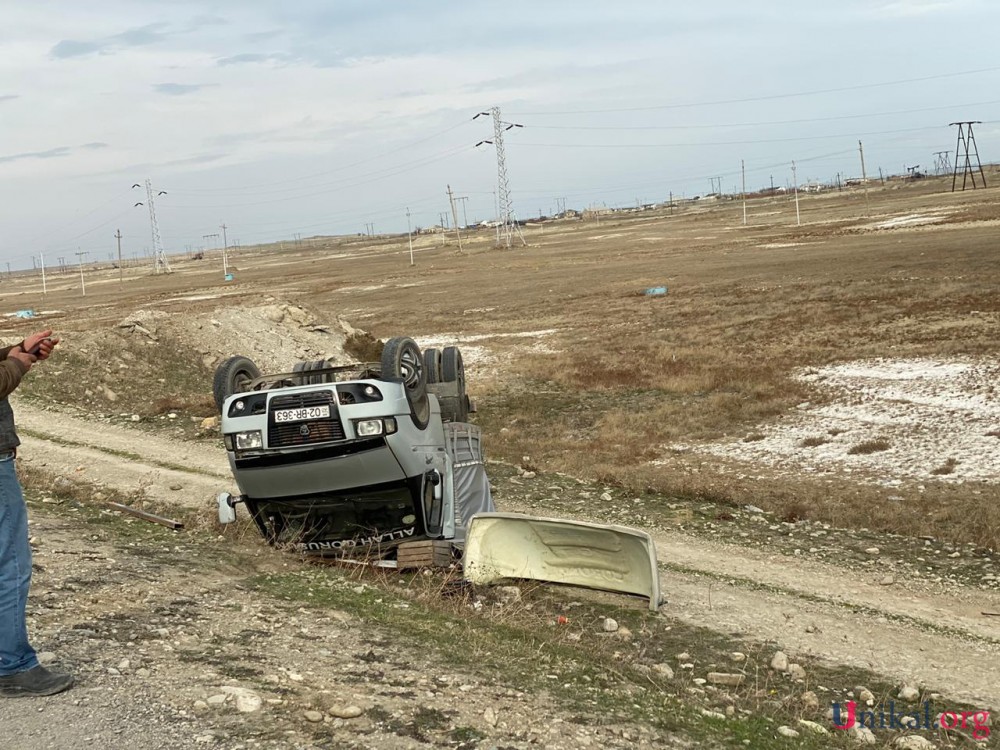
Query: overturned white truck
[358,459]
[334,460]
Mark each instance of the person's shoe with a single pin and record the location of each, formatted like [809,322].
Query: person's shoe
[36,681]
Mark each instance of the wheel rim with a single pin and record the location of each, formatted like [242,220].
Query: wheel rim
[410,367]
[242,380]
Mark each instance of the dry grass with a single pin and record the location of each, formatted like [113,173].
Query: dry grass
[813,441]
[948,467]
[876,445]
[364,347]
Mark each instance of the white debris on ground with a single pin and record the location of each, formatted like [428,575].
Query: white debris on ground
[481,361]
[926,419]
[909,220]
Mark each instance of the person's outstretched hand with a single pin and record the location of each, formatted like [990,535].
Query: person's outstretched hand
[43,340]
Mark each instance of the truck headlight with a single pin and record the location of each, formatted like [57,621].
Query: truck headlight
[368,427]
[249,440]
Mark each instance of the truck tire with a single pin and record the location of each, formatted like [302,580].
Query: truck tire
[432,365]
[401,360]
[453,371]
[232,376]
[307,366]
[452,367]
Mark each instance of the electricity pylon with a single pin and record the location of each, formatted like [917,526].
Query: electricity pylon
[160,262]
[508,221]
[966,141]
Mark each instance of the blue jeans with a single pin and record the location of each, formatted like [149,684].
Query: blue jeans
[16,654]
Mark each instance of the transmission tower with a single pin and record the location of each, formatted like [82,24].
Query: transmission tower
[963,157]
[508,226]
[942,162]
[160,262]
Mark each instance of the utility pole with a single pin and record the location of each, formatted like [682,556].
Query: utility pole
[454,215]
[864,179]
[671,202]
[121,278]
[795,183]
[409,234]
[225,251]
[83,286]
[508,221]
[743,172]
[41,258]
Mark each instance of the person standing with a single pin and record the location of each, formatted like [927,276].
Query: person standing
[20,672]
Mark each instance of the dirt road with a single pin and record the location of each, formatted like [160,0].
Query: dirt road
[129,460]
[917,632]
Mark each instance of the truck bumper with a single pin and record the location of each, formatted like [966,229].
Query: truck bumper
[316,470]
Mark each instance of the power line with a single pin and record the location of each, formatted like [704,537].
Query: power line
[297,180]
[343,185]
[726,143]
[536,126]
[765,98]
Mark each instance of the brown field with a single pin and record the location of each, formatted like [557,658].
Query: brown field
[576,369]
[799,392]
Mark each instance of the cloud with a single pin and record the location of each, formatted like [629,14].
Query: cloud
[52,153]
[138,36]
[911,8]
[72,48]
[204,20]
[263,36]
[179,89]
[194,160]
[9,97]
[252,58]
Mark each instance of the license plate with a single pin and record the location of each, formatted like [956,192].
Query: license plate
[301,415]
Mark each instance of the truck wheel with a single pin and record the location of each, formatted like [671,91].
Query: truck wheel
[453,371]
[432,365]
[401,359]
[452,367]
[306,366]
[233,376]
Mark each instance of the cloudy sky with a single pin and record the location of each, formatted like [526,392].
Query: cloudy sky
[324,116]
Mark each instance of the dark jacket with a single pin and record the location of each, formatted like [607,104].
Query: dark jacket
[11,372]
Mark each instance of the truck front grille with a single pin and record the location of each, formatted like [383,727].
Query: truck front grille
[308,432]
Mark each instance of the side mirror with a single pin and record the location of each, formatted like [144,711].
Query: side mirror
[227,508]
